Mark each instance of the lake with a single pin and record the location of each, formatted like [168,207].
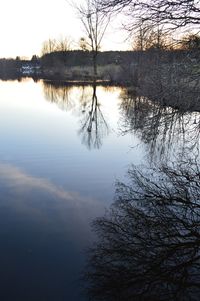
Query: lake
[62,149]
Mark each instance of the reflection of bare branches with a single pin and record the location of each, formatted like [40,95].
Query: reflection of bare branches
[94,126]
[58,93]
[149,241]
[165,130]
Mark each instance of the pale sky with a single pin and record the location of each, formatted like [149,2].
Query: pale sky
[26,24]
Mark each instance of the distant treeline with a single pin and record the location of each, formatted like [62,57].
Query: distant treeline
[84,58]
[13,68]
[76,64]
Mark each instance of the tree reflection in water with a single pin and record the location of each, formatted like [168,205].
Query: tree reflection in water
[94,126]
[164,129]
[59,93]
[148,245]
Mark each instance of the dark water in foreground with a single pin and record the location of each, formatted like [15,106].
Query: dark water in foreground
[61,152]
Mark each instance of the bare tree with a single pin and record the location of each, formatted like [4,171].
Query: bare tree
[64,44]
[148,245]
[147,37]
[95,23]
[48,46]
[54,45]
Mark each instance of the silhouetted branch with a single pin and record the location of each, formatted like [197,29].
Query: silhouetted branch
[171,13]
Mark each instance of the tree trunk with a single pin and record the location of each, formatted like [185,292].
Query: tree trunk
[95,64]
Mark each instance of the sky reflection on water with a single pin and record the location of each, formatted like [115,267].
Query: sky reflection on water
[62,149]
[52,186]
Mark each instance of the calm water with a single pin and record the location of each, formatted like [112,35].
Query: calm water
[62,149]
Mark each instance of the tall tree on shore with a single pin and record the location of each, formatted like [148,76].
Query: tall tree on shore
[95,23]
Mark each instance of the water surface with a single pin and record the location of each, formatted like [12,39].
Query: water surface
[62,149]
[59,159]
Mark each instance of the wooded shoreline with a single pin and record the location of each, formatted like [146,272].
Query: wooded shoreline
[171,78]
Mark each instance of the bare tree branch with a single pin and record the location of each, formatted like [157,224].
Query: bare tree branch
[171,13]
